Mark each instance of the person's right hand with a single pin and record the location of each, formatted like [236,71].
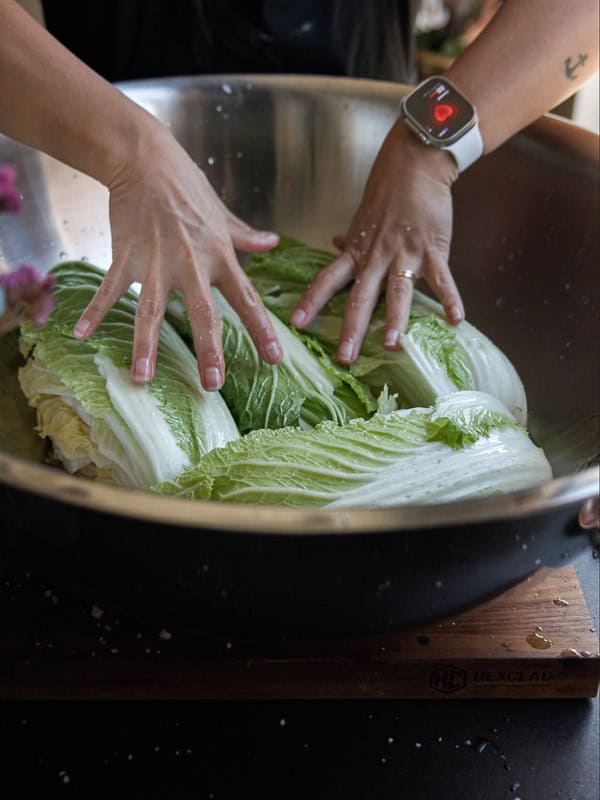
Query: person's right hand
[170,231]
[402,225]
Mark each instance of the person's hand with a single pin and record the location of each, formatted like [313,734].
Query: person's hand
[170,232]
[404,222]
[589,514]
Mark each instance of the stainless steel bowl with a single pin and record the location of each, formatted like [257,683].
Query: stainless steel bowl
[292,154]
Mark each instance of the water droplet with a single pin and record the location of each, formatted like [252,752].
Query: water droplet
[239,154]
[227,88]
[211,160]
[560,601]
[538,641]
[219,108]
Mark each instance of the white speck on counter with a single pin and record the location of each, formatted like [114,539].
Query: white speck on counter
[165,635]
[282,721]
[96,612]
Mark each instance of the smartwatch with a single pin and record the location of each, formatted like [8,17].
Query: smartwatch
[443,117]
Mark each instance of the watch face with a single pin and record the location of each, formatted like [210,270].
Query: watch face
[439,110]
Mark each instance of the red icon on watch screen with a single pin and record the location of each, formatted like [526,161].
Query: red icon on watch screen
[442,112]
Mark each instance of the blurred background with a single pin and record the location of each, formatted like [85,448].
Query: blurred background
[444,29]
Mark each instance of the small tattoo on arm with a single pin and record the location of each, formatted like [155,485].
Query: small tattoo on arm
[571,67]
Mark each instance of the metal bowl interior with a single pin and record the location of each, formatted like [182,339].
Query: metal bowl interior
[292,154]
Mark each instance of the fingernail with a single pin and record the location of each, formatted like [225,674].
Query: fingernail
[142,369]
[298,317]
[589,515]
[273,351]
[81,328]
[212,379]
[392,337]
[346,351]
[266,237]
[456,314]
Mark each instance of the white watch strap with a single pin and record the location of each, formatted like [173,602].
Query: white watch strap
[467,149]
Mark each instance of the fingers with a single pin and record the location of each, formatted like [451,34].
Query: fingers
[362,299]
[148,319]
[206,333]
[112,288]
[399,295]
[248,239]
[589,514]
[244,298]
[440,279]
[325,284]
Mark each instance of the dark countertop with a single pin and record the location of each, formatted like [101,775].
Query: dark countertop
[371,749]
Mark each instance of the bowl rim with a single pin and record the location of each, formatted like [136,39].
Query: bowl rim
[54,484]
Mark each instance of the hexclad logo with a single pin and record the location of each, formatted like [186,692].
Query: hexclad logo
[448,679]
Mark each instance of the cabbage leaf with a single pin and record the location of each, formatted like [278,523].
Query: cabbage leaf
[466,445]
[101,424]
[435,359]
[305,388]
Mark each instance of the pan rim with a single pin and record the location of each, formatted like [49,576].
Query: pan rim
[200,515]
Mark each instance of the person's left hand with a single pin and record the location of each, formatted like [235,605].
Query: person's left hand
[403,223]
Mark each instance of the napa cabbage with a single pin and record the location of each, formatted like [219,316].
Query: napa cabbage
[435,358]
[100,423]
[305,388]
[465,445]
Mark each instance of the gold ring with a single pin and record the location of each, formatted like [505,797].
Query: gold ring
[407,273]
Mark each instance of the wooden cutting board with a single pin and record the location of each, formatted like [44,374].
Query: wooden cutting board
[535,641]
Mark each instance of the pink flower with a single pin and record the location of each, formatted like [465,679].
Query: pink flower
[10,197]
[28,297]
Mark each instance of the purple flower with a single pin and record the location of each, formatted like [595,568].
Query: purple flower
[28,297]
[10,197]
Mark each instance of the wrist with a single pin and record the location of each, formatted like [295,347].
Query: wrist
[135,137]
[443,118]
[438,163]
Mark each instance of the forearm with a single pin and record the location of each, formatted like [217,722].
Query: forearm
[53,102]
[532,56]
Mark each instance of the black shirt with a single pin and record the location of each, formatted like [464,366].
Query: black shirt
[129,39]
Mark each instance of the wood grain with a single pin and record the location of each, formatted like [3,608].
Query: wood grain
[54,649]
